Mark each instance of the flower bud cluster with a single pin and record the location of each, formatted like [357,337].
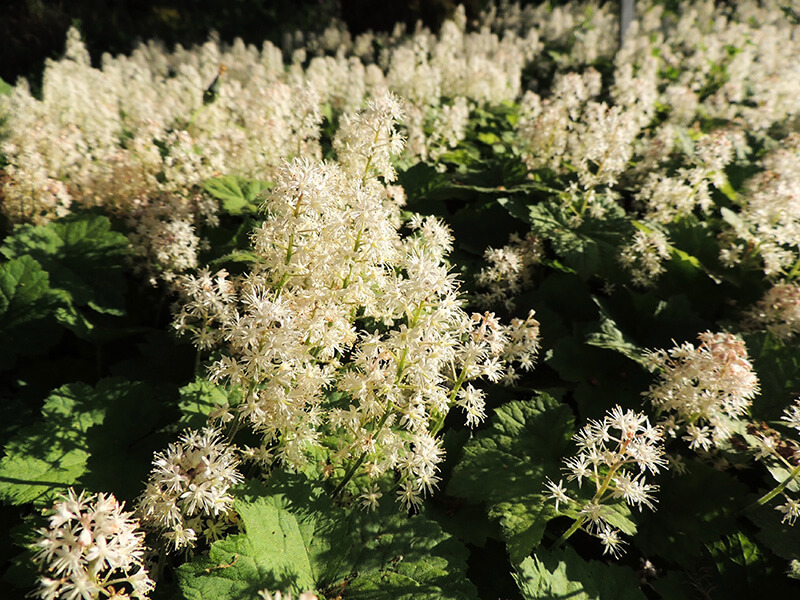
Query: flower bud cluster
[91,549]
[614,457]
[187,493]
[703,390]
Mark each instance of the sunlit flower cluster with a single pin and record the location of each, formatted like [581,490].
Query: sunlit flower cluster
[614,457]
[768,222]
[703,391]
[339,300]
[187,494]
[160,123]
[645,255]
[509,270]
[91,548]
[778,311]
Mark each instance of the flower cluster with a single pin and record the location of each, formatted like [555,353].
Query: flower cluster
[509,271]
[90,548]
[778,311]
[768,223]
[645,255]
[187,493]
[781,455]
[161,123]
[267,595]
[614,457]
[703,390]
[339,301]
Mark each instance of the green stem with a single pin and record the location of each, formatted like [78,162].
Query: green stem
[439,423]
[162,561]
[577,524]
[197,361]
[778,489]
[369,158]
[360,461]
[356,247]
[598,496]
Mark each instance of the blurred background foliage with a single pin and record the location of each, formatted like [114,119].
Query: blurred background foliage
[33,30]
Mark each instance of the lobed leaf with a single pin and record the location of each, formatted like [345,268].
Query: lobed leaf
[506,466]
[296,540]
[26,303]
[561,573]
[83,256]
[91,437]
[238,195]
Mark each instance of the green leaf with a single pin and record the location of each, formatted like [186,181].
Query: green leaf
[83,256]
[408,558]
[778,366]
[561,573]
[24,288]
[678,530]
[611,338]
[727,189]
[590,248]
[199,398]
[5,88]
[296,540]
[506,466]
[271,554]
[89,436]
[238,195]
[488,138]
[27,305]
[244,257]
[421,181]
[780,537]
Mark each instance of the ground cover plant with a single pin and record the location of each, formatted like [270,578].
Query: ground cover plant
[502,311]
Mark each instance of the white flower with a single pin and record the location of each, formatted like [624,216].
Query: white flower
[189,481]
[790,510]
[791,415]
[614,457]
[704,389]
[90,546]
[612,543]
[370,497]
[557,492]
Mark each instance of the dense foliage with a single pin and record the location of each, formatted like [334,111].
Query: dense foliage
[505,311]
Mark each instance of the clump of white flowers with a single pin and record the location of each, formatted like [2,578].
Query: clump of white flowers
[781,455]
[187,494]
[645,255]
[614,457]
[767,222]
[267,595]
[703,390]
[339,301]
[510,270]
[91,549]
[778,311]
[788,453]
[676,195]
